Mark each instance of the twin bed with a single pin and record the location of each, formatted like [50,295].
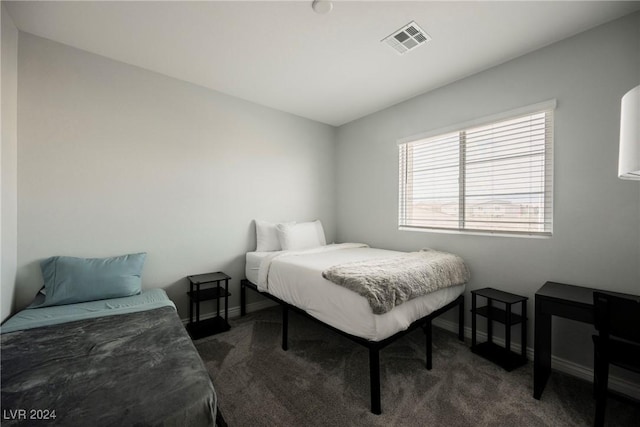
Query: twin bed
[295,279]
[118,361]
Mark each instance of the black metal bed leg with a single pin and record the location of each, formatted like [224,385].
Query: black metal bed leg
[243,299]
[461,318]
[374,378]
[285,327]
[428,333]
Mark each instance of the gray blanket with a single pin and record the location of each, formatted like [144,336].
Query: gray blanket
[389,282]
[131,369]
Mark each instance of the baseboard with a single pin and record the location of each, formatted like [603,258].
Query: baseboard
[615,383]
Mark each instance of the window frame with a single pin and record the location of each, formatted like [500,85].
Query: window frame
[460,129]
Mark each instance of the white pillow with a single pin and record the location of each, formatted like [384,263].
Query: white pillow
[267,236]
[304,235]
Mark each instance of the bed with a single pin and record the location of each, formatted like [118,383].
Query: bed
[118,361]
[295,279]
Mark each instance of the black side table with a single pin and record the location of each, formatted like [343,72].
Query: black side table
[202,328]
[502,356]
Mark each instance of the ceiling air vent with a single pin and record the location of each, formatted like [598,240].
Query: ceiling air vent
[407,38]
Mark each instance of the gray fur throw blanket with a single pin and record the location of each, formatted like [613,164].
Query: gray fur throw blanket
[389,282]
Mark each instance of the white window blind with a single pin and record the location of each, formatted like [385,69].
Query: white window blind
[490,177]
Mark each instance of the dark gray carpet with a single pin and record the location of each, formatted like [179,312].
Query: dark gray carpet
[323,380]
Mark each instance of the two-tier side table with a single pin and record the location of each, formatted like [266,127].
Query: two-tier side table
[203,287]
[502,356]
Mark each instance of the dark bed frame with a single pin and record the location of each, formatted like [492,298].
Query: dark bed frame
[373,346]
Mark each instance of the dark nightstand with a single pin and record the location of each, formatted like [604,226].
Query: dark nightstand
[502,356]
[202,328]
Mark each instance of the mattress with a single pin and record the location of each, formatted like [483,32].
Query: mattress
[134,366]
[252,267]
[296,278]
[57,314]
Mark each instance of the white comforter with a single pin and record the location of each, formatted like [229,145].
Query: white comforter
[265,265]
[296,277]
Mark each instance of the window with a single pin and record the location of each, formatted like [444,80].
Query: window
[490,176]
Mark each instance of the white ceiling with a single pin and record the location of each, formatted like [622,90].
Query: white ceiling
[330,68]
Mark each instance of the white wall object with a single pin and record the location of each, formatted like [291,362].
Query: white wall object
[629,160]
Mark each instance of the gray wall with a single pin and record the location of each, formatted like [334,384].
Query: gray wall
[596,239]
[115,159]
[8,156]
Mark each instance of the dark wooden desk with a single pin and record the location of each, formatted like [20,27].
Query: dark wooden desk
[557,299]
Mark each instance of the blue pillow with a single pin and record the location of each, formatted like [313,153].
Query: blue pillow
[68,280]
